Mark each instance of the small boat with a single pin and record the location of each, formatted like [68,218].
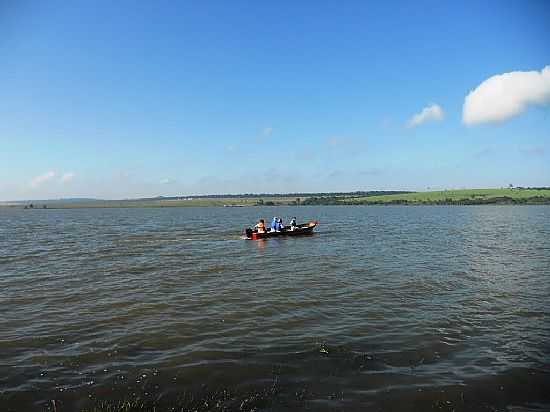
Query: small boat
[303,229]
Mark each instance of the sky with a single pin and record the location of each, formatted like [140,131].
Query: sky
[131,99]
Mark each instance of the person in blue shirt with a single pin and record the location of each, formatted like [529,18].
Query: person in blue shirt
[275,224]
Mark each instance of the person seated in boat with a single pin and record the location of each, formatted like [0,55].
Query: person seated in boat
[280,226]
[275,224]
[293,224]
[260,226]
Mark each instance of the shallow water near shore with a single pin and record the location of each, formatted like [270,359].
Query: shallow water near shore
[384,308]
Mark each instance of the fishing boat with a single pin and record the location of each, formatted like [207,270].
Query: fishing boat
[303,229]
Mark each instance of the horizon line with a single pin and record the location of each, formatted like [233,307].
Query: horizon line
[265,194]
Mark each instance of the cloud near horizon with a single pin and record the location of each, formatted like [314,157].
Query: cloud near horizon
[335,141]
[38,180]
[532,150]
[265,135]
[428,113]
[67,177]
[506,95]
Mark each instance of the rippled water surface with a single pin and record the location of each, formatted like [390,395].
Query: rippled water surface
[384,308]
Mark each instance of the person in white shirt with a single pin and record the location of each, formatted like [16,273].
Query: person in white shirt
[293,224]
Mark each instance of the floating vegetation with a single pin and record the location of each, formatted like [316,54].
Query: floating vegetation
[205,400]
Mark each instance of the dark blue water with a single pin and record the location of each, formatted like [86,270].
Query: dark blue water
[385,308]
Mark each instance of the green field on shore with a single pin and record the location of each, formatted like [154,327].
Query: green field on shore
[466,196]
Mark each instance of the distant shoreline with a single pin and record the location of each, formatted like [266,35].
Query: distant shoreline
[512,196]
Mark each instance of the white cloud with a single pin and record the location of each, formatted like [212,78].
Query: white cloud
[67,177]
[38,180]
[506,95]
[265,135]
[166,181]
[432,112]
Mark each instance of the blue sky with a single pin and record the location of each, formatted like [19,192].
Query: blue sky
[128,99]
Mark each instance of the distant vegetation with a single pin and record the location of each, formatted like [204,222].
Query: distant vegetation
[443,197]
[247,199]
[358,193]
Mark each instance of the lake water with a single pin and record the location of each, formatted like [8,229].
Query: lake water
[384,308]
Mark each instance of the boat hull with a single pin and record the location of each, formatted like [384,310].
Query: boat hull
[301,230]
